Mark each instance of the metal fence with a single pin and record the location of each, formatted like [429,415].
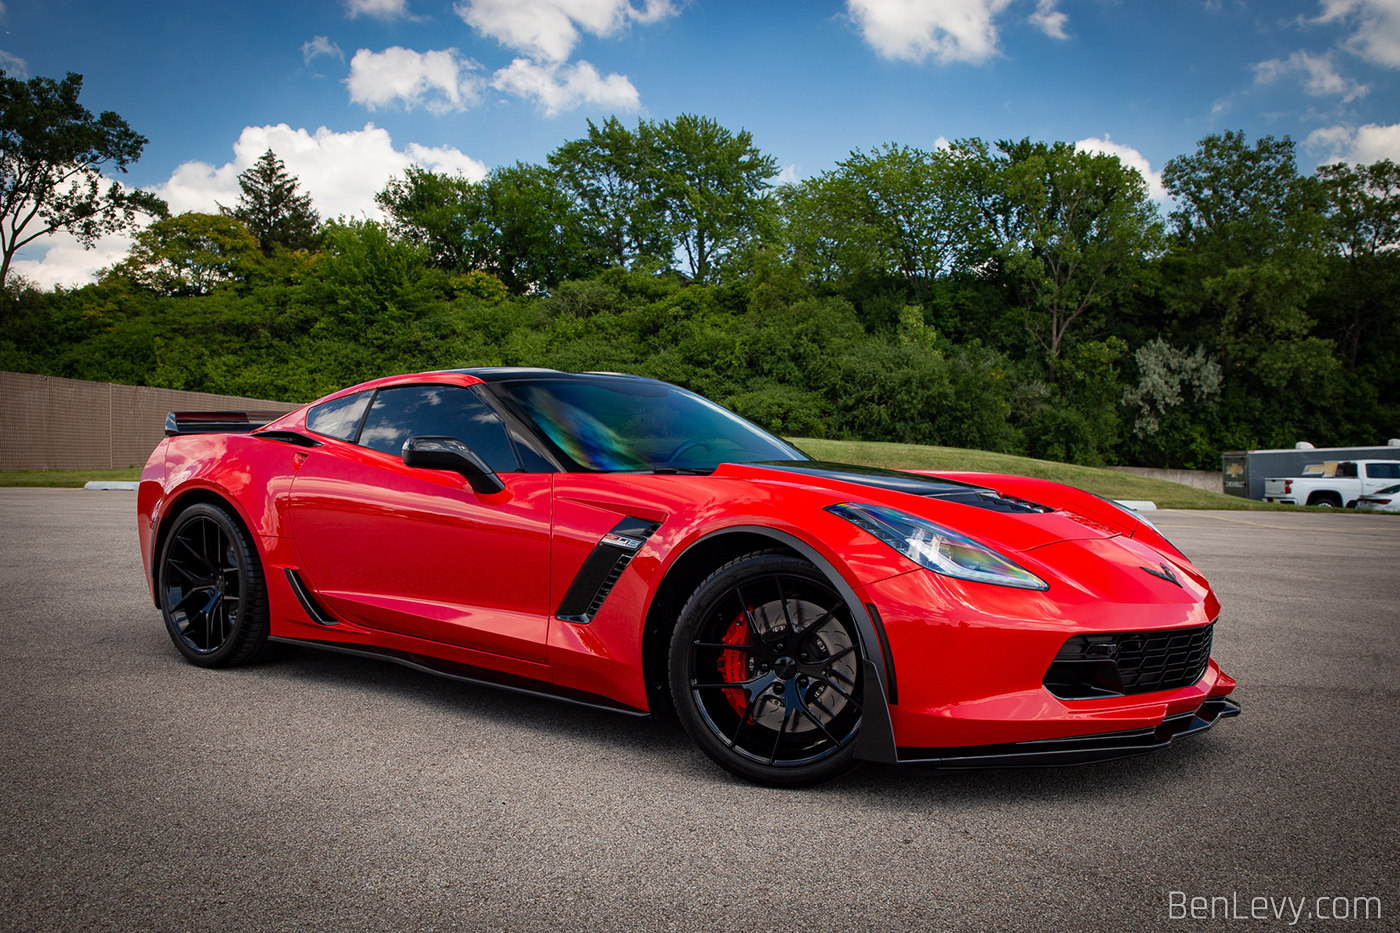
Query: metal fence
[49,423]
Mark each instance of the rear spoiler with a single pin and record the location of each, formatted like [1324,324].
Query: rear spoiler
[217,422]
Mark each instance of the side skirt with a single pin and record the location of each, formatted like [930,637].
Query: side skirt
[1079,750]
[468,674]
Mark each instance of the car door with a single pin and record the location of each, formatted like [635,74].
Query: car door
[415,551]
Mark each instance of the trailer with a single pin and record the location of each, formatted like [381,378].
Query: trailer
[1246,470]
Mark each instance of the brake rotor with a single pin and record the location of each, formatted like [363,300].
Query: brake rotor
[828,639]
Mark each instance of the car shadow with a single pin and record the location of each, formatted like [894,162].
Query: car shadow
[665,751]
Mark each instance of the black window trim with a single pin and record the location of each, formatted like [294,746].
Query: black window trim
[486,398]
[520,431]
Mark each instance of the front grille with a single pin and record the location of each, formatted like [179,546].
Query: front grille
[1127,663]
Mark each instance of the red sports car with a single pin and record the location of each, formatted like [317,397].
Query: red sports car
[625,544]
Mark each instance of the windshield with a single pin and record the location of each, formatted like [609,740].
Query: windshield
[616,424]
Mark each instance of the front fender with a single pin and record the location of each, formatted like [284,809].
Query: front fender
[876,741]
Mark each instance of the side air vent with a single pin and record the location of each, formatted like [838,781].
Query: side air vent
[1127,663]
[288,437]
[603,568]
[308,602]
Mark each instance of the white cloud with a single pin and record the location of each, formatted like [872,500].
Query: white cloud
[1318,72]
[439,81]
[379,9]
[320,45]
[15,66]
[1363,145]
[549,29]
[788,176]
[66,263]
[1377,35]
[1131,158]
[1048,19]
[912,30]
[340,171]
[555,88]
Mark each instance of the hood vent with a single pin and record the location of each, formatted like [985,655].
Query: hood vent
[931,487]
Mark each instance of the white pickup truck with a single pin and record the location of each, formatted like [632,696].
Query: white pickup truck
[1333,484]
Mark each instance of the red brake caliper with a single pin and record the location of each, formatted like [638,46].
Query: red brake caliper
[733,665]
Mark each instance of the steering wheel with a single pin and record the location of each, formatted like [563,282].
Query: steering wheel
[685,446]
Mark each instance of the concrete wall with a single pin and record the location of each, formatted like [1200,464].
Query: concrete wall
[1200,479]
[50,423]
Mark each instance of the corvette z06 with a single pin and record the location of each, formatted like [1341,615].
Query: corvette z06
[625,544]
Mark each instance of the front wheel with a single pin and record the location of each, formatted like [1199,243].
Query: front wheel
[766,671]
[212,592]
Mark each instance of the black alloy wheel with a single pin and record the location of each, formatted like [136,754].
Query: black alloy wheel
[212,592]
[767,671]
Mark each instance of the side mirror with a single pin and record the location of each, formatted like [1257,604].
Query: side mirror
[431,452]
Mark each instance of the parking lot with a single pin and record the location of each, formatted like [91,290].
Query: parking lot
[322,792]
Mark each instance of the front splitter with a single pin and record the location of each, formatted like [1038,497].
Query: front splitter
[1082,749]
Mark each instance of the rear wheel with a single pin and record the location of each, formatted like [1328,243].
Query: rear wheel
[1326,500]
[766,671]
[212,592]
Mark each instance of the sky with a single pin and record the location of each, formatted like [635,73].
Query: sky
[350,92]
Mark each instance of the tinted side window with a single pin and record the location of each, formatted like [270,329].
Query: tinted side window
[1383,470]
[1346,470]
[408,411]
[338,417]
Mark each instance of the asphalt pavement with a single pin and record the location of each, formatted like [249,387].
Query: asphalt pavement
[327,793]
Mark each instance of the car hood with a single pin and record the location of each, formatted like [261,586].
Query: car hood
[979,511]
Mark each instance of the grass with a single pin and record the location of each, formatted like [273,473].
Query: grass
[1107,483]
[65,478]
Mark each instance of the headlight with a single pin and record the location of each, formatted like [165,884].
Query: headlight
[937,548]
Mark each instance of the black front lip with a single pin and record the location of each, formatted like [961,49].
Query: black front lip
[1083,749]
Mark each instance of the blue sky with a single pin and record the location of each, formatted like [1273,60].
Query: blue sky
[349,92]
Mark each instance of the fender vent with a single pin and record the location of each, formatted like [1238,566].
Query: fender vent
[603,568]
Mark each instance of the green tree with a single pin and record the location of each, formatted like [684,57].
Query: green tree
[517,223]
[1250,231]
[610,177]
[1363,207]
[710,183]
[189,254]
[1074,227]
[528,233]
[896,211]
[271,208]
[438,211]
[52,153]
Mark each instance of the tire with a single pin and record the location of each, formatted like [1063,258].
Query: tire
[766,671]
[1325,500]
[212,592]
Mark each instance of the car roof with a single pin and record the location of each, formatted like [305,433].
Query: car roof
[503,373]
[479,374]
